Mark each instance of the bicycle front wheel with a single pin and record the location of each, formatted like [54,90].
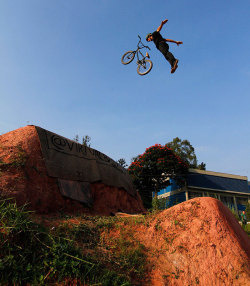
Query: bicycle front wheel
[144,67]
[128,57]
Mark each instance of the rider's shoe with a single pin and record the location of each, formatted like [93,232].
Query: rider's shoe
[173,69]
[147,55]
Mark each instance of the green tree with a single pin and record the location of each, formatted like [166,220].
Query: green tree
[201,166]
[122,162]
[186,152]
[85,140]
[152,171]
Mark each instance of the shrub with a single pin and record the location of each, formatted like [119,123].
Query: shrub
[31,255]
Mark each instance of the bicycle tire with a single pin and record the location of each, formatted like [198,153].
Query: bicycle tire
[127,55]
[147,68]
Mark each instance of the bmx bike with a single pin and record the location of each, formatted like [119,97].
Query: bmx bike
[144,65]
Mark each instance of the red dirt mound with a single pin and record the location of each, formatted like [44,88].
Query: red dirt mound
[196,242]
[23,176]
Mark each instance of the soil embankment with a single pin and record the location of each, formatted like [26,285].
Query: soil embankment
[23,176]
[196,242]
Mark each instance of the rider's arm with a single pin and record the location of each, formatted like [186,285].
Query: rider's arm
[162,23]
[172,41]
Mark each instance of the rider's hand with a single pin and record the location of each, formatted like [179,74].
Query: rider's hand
[164,21]
[179,43]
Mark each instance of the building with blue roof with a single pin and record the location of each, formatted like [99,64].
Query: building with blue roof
[232,190]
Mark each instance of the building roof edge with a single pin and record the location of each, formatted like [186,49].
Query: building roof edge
[218,174]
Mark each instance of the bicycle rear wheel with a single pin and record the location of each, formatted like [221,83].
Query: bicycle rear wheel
[128,57]
[144,67]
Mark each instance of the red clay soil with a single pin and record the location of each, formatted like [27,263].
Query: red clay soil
[196,242]
[23,176]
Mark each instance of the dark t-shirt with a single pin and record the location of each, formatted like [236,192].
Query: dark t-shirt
[157,38]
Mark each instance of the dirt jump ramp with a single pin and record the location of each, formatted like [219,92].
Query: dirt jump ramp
[52,173]
[197,242]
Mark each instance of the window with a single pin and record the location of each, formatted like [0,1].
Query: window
[228,201]
[242,201]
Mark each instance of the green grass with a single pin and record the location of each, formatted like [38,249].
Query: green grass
[130,255]
[247,229]
[86,252]
[31,254]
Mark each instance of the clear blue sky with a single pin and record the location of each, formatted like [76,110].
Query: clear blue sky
[60,68]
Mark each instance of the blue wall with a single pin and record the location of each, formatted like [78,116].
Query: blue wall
[170,188]
[175,199]
[241,207]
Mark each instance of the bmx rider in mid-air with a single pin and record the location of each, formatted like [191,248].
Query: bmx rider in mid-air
[163,47]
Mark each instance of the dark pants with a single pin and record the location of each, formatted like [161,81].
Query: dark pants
[164,49]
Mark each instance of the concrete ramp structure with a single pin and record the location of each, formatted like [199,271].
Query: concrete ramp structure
[52,173]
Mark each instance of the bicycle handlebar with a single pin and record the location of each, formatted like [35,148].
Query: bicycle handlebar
[143,46]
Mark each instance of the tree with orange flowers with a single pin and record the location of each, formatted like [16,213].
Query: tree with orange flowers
[152,171]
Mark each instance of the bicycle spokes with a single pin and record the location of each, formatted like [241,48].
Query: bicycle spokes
[144,66]
[128,57]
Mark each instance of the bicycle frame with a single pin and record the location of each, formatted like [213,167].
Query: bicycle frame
[139,52]
[144,65]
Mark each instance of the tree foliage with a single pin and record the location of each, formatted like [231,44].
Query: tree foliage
[186,152]
[76,138]
[152,170]
[248,211]
[122,162]
[85,140]
[201,166]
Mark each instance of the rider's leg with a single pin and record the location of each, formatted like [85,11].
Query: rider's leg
[164,48]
